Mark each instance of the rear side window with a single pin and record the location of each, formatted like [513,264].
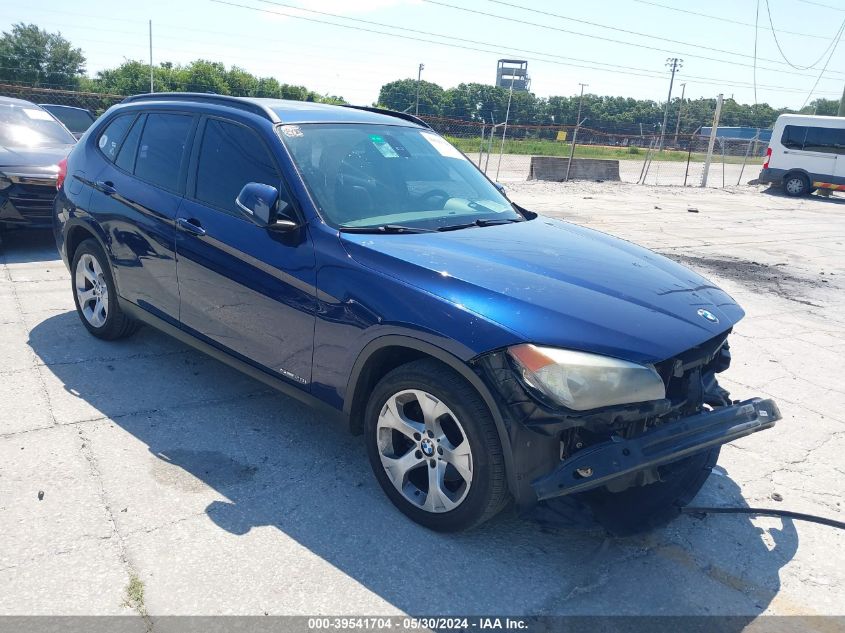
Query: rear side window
[230,157]
[161,148]
[821,139]
[126,156]
[111,138]
[814,139]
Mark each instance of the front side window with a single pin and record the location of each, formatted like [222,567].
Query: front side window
[161,148]
[230,157]
[31,126]
[364,175]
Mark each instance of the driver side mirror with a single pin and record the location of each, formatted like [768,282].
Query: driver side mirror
[261,204]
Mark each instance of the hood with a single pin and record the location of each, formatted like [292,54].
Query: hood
[32,159]
[554,283]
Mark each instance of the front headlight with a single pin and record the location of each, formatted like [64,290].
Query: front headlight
[582,381]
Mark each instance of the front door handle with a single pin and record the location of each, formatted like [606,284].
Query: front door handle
[190,226]
[106,186]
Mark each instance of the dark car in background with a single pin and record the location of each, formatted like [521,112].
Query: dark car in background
[77,120]
[32,143]
[354,259]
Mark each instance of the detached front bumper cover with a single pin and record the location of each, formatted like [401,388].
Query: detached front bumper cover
[599,464]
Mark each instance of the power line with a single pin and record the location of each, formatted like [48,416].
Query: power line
[603,26]
[780,50]
[652,74]
[452,44]
[723,19]
[819,4]
[833,50]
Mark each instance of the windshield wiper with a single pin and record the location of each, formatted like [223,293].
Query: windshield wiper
[384,228]
[479,222]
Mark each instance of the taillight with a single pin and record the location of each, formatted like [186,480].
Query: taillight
[768,157]
[60,177]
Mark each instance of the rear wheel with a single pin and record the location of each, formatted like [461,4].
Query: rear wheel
[643,508]
[796,185]
[95,295]
[434,447]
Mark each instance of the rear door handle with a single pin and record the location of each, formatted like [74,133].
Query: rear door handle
[106,186]
[190,226]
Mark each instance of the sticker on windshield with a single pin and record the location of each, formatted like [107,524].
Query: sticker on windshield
[384,148]
[292,131]
[38,115]
[442,145]
[103,140]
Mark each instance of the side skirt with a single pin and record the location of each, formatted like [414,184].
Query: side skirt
[276,383]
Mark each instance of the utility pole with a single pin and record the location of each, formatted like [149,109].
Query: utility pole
[575,131]
[712,142]
[680,107]
[674,65]
[151,57]
[842,104]
[419,77]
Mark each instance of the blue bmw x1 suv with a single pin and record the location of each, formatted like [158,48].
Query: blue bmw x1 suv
[353,258]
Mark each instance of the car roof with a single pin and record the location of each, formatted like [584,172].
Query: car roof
[61,105]
[285,110]
[18,102]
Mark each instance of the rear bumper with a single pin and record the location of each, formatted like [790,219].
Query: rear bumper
[771,176]
[597,465]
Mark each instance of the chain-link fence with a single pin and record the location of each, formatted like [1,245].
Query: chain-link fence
[505,152]
[96,102]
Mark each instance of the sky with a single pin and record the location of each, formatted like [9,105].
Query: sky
[616,47]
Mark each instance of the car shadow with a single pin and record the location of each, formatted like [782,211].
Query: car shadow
[777,192]
[278,464]
[19,246]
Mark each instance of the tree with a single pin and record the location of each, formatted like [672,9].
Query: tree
[401,95]
[34,56]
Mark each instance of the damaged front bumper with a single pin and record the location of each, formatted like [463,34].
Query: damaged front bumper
[600,464]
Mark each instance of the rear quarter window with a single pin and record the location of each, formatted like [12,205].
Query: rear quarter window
[112,136]
[793,136]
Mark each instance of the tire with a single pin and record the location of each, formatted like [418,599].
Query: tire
[95,294]
[796,185]
[462,453]
[644,508]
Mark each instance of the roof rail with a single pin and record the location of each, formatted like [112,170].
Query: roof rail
[206,97]
[393,113]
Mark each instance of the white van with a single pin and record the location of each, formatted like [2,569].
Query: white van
[806,153]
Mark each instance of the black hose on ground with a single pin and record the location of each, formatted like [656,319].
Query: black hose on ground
[768,512]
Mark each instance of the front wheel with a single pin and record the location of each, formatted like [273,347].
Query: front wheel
[434,447]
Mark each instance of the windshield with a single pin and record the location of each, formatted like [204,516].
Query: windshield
[76,120]
[30,126]
[364,176]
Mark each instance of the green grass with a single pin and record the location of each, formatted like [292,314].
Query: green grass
[543,147]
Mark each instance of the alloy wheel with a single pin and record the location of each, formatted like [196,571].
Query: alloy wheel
[92,291]
[424,450]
